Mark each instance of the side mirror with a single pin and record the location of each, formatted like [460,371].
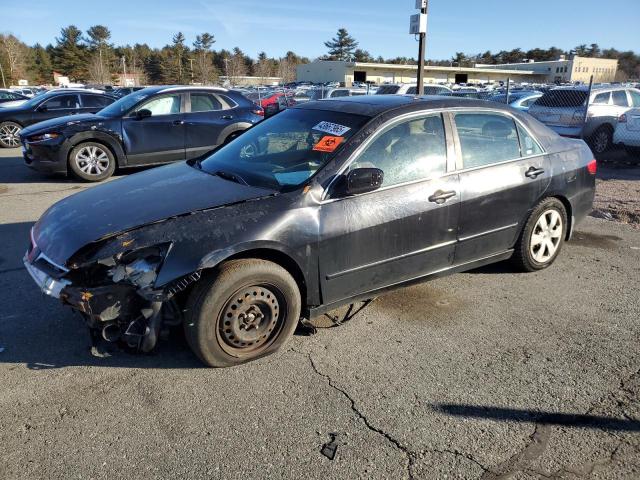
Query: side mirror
[143,113]
[363,180]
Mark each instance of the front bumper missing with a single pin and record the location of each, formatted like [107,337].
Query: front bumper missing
[48,285]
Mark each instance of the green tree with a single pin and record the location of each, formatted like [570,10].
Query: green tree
[342,47]
[40,67]
[205,72]
[70,56]
[176,59]
[594,50]
[100,66]
[362,56]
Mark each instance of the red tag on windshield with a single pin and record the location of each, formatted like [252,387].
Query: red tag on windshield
[328,144]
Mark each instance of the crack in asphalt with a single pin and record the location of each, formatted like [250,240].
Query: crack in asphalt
[411,455]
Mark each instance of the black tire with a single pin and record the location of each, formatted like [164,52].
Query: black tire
[601,140]
[92,167]
[528,255]
[9,134]
[223,325]
[233,136]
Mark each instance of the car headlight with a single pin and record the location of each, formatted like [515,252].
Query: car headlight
[138,267]
[43,136]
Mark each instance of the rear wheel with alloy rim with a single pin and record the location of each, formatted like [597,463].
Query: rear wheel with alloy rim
[245,310]
[92,162]
[601,140]
[542,237]
[10,134]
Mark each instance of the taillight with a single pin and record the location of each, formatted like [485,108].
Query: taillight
[259,112]
[622,118]
[592,167]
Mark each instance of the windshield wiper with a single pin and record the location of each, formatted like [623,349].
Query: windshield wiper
[232,177]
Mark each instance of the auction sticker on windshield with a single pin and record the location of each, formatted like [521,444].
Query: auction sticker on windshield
[328,144]
[332,128]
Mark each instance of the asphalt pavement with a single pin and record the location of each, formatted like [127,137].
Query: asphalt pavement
[489,374]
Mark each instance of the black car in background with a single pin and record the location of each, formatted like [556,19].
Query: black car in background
[9,96]
[153,126]
[123,91]
[45,107]
[324,204]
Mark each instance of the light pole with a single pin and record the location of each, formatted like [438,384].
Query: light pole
[418,26]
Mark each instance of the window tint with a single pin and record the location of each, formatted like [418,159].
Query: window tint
[204,102]
[167,105]
[486,138]
[412,150]
[620,98]
[62,101]
[635,98]
[388,90]
[528,146]
[602,98]
[95,101]
[563,98]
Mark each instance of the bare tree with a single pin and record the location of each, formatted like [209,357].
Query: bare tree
[264,67]
[287,70]
[205,71]
[236,66]
[14,52]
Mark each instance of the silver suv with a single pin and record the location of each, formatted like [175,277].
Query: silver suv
[564,110]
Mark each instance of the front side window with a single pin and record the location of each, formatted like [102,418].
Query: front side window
[284,151]
[165,105]
[61,102]
[486,138]
[205,102]
[412,150]
[620,98]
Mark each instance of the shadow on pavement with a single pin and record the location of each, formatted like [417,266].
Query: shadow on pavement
[538,417]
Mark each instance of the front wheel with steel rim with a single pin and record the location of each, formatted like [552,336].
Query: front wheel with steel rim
[542,237]
[92,162]
[244,310]
[10,134]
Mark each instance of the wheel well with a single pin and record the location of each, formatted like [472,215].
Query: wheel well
[281,259]
[569,209]
[91,140]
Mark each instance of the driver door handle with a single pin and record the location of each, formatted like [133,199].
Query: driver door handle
[178,122]
[441,197]
[534,172]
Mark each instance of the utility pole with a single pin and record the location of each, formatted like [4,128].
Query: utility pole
[124,72]
[418,26]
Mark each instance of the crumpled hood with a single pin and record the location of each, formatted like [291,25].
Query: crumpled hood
[87,119]
[131,202]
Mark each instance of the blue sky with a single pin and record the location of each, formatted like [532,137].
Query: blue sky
[381,26]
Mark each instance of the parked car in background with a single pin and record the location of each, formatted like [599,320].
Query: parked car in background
[627,133]
[27,92]
[520,99]
[325,204]
[150,127]
[430,90]
[9,98]
[394,89]
[48,106]
[571,112]
[122,91]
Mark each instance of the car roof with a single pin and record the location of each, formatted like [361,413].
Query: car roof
[373,105]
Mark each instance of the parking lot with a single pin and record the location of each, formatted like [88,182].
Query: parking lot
[488,374]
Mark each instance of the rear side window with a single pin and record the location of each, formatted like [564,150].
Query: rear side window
[602,98]
[61,102]
[388,90]
[635,98]
[486,138]
[412,150]
[204,102]
[620,98]
[563,98]
[95,101]
[528,145]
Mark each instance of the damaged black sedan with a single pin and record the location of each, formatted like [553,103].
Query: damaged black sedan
[323,205]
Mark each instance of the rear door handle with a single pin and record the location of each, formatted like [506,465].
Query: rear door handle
[534,172]
[227,117]
[441,197]
[178,122]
